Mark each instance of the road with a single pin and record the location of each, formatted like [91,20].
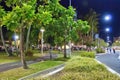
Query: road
[111,60]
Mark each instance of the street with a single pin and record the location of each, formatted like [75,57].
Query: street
[111,60]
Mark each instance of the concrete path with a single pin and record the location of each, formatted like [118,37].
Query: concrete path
[8,66]
[111,60]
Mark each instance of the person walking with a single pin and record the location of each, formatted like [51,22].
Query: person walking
[110,50]
[10,50]
[113,50]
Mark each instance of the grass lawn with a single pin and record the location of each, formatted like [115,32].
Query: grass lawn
[17,73]
[83,68]
[6,59]
[78,67]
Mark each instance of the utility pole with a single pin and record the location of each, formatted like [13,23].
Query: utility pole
[69,2]
[70,31]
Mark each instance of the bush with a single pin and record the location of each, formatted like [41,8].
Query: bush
[79,68]
[29,53]
[87,54]
[99,50]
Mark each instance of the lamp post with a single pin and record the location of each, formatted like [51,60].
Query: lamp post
[107,31]
[69,2]
[16,37]
[42,31]
[70,40]
[107,19]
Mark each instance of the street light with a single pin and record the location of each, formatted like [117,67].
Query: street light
[16,37]
[107,17]
[107,29]
[42,30]
[108,38]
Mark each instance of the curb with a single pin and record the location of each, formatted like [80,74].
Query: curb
[44,73]
[108,68]
[97,54]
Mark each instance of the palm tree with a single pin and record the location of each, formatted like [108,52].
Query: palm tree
[92,18]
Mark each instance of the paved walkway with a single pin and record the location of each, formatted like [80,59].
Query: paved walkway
[111,60]
[8,66]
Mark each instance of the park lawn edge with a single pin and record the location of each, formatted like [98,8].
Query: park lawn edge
[17,73]
[83,68]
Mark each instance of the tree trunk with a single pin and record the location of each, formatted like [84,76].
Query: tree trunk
[22,49]
[65,54]
[50,52]
[27,40]
[3,41]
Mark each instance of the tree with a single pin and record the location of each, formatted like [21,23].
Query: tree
[82,30]
[116,43]
[92,18]
[20,18]
[57,31]
[2,13]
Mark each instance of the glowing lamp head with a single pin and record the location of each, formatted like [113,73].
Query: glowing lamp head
[107,29]
[16,37]
[108,17]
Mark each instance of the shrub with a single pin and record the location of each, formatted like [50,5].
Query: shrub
[100,50]
[81,68]
[29,53]
[87,54]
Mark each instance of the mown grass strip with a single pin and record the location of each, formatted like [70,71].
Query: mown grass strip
[17,73]
[82,68]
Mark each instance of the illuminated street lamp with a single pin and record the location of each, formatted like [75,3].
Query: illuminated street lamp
[42,31]
[16,37]
[107,29]
[108,37]
[107,17]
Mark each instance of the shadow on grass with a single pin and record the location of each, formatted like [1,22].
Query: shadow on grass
[61,59]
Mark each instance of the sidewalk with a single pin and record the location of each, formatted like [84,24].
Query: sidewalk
[8,66]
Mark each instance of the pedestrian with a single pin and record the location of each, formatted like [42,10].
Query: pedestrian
[113,50]
[107,50]
[110,50]
[10,50]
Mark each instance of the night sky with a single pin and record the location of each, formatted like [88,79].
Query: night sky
[102,7]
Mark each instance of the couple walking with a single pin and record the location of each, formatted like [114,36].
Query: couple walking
[110,50]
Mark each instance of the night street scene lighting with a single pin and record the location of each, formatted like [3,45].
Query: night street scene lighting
[107,29]
[107,17]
